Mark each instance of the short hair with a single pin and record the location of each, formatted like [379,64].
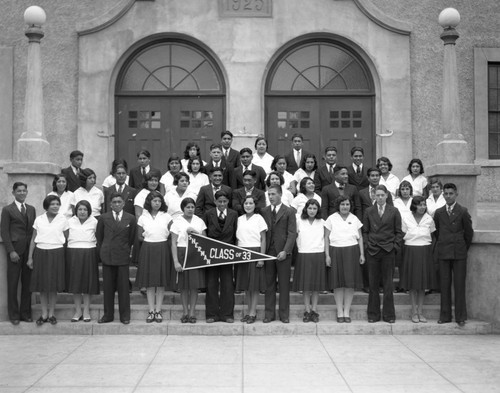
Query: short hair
[268,180]
[276,187]
[118,163]
[250,172]
[338,168]
[310,202]
[187,201]
[190,164]
[415,202]
[304,159]
[297,135]
[275,161]
[373,169]
[381,187]
[340,199]
[357,148]
[19,184]
[84,175]
[56,179]
[215,146]
[173,157]
[416,161]
[450,185]
[49,199]
[330,148]
[148,176]
[384,159]
[116,194]
[405,183]
[74,154]
[302,185]
[221,193]
[179,176]
[435,180]
[257,208]
[188,147]
[246,150]
[216,169]
[145,152]
[149,198]
[261,138]
[227,132]
[85,204]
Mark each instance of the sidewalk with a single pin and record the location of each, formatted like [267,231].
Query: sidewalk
[247,364]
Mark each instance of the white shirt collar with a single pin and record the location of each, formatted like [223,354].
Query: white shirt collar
[276,208]
[120,215]
[18,204]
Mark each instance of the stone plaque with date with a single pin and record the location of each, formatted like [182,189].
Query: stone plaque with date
[246,8]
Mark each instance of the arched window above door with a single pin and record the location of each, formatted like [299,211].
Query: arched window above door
[319,68]
[170,68]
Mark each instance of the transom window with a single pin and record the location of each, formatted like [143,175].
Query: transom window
[494,110]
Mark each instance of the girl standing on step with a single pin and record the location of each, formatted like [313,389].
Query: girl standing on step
[155,270]
[417,273]
[310,270]
[82,272]
[344,254]
[188,282]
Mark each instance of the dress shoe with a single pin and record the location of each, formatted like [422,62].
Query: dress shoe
[15,321]
[268,320]
[104,320]
[390,320]
[125,321]
[461,323]
[210,320]
[370,320]
[26,319]
[285,320]
[441,321]
[340,320]
[229,320]
[347,319]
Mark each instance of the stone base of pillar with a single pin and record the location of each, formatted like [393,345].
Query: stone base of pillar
[451,151]
[464,176]
[33,149]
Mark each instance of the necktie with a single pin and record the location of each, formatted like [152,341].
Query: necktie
[380,211]
[23,209]
[448,208]
[120,188]
[297,158]
[226,154]
[372,193]
[341,186]
[117,217]
[274,212]
[222,216]
[358,169]
[331,170]
[143,171]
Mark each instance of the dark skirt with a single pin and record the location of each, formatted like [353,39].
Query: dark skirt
[346,270]
[189,279]
[418,271]
[82,272]
[155,266]
[310,272]
[249,277]
[48,270]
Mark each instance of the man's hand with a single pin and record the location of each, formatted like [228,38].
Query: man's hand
[14,257]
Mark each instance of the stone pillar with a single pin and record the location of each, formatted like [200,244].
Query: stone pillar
[453,164]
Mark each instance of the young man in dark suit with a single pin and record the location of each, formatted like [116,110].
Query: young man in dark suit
[221,225]
[295,158]
[454,237]
[249,189]
[230,156]
[17,231]
[115,236]
[72,173]
[382,236]
[280,239]
[324,175]
[339,187]
[216,161]
[246,156]
[367,195]
[128,193]
[206,197]
[356,171]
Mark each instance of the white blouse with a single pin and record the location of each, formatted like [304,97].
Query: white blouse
[392,184]
[95,197]
[111,181]
[343,233]
[433,205]
[168,181]
[400,205]
[196,182]
[173,201]
[66,203]
[300,201]
[50,235]
[82,235]
[264,162]
[418,184]
[311,237]
[300,174]
[141,196]
[155,229]
[184,165]
[180,226]
[248,230]
[418,234]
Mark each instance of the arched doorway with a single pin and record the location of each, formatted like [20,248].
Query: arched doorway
[168,93]
[323,90]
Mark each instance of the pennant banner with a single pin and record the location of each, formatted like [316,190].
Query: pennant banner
[203,252]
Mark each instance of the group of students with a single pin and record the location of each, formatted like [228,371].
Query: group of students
[341,227]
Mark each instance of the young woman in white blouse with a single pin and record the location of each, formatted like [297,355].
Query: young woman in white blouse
[416,177]
[306,192]
[261,157]
[418,271]
[345,255]
[89,192]
[279,165]
[155,270]
[251,277]
[387,179]
[174,167]
[436,199]
[60,189]
[310,269]
[46,257]
[82,272]
[197,178]
[151,183]
[276,179]
[174,197]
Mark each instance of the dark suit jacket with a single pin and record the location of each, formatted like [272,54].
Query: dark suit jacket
[227,174]
[136,179]
[366,200]
[282,234]
[360,181]
[114,240]
[453,233]
[205,200]
[226,234]
[128,194]
[382,233]
[331,193]
[233,159]
[17,231]
[291,164]
[322,178]
[260,180]
[239,197]
[72,179]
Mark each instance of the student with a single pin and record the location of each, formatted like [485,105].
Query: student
[295,158]
[247,165]
[230,156]
[386,177]
[89,192]
[416,177]
[137,174]
[261,157]
[454,237]
[115,236]
[60,188]
[206,197]
[110,180]
[280,239]
[340,187]
[73,171]
[221,225]
[324,175]
[249,188]
[17,230]
[128,193]
[216,161]
[197,177]
[367,195]
[356,171]
[192,150]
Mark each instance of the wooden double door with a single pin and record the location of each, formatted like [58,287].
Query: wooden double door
[164,125]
